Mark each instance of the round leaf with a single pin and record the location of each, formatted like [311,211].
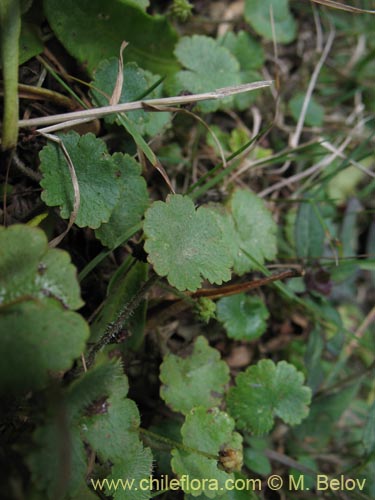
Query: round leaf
[266,391]
[197,380]
[258,15]
[243,317]
[185,244]
[209,67]
[209,430]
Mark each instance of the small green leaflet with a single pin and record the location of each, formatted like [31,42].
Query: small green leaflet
[209,66]
[266,391]
[197,380]
[258,15]
[250,56]
[131,205]
[96,172]
[248,229]
[136,82]
[208,432]
[243,317]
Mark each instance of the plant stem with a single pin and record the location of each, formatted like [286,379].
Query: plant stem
[10,25]
[113,330]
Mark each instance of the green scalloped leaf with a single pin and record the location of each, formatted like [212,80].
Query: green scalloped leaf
[136,83]
[103,434]
[111,430]
[266,391]
[258,15]
[93,30]
[58,445]
[38,338]
[135,466]
[211,480]
[244,317]
[29,267]
[250,55]
[96,173]
[249,230]
[210,430]
[197,380]
[248,52]
[184,244]
[209,66]
[131,205]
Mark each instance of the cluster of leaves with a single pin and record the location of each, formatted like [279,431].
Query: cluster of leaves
[82,427]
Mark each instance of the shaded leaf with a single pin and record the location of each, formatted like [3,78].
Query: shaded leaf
[209,430]
[309,232]
[143,4]
[96,173]
[250,55]
[258,15]
[185,244]
[369,431]
[92,30]
[266,391]
[113,432]
[233,494]
[197,380]
[243,317]
[59,460]
[211,480]
[58,463]
[315,112]
[127,284]
[29,267]
[136,82]
[136,467]
[249,230]
[209,66]
[324,414]
[248,52]
[38,338]
[131,205]
[99,382]
[30,43]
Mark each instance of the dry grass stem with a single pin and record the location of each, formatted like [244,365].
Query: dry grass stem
[77,195]
[65,119]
